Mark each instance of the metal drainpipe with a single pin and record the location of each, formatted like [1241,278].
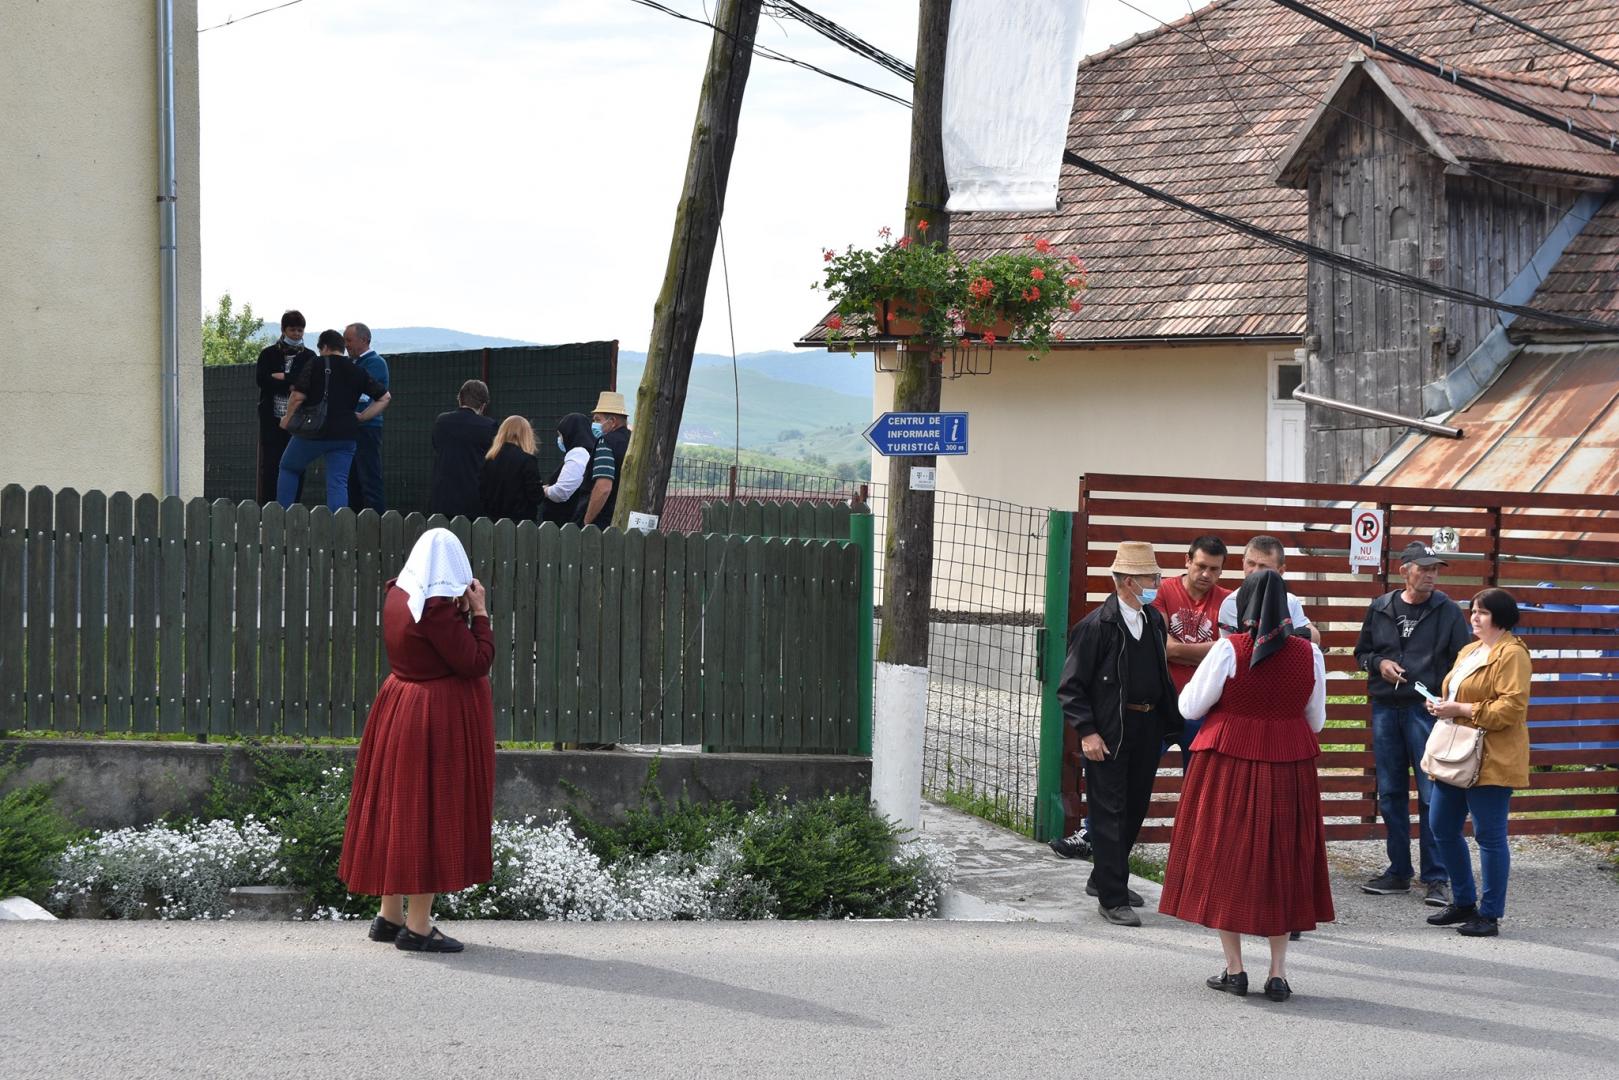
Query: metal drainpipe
[167,248]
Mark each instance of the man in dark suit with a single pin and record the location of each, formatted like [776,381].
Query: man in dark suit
[461,438]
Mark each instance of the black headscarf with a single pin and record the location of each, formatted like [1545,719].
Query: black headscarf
[1262,612]
[575,431]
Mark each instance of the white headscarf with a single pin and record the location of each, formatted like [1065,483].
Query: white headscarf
[437,566]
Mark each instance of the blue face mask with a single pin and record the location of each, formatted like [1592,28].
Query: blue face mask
[562,445]
[596,429]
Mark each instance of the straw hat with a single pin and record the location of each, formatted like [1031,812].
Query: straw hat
[610,402]
[1136,559]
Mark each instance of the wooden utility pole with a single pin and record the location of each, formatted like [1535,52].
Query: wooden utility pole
[678,313]
[902,651]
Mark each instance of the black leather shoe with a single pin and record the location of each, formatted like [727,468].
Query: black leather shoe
[1123,915]
[1277,989]
[1451,914]
[1479,926]
[1134,897]
[1229,984]
[433,941]
[383,930]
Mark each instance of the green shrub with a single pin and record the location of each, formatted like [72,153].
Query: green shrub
[33,834]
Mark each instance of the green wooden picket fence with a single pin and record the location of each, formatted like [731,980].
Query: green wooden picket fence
[121,614]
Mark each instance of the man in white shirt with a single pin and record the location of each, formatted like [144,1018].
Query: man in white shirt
[1267,553]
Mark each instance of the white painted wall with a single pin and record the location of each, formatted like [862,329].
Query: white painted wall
[79,398]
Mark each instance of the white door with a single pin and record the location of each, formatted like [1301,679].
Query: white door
[1284,434]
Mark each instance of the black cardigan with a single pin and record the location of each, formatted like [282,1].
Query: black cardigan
[509,486]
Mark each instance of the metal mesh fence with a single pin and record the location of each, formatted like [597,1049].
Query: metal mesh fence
[541,383]
[985,634]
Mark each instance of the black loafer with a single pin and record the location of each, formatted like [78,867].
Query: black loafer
[433,941]
[383,930]
[1133,896]
[1229,984]
[1479,926]
[1277,989]
[1451,914]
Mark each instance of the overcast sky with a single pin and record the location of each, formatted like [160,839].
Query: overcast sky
[511,167]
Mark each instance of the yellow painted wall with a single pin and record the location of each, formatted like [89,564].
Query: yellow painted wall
[79,294]
[1035,426]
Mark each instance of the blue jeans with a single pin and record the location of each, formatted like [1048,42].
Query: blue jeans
[1488,805]
[368,469]
[302,453]
[1399,735]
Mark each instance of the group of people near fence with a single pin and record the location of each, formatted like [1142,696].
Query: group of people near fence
[1238,681]
[328,404]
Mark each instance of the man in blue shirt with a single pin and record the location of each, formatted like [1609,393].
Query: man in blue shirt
[368,443]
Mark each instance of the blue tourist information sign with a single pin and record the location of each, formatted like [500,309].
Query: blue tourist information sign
[915,434]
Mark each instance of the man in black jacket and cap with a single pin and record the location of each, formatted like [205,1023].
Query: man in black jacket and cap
[1117,694]
[460,440]
[1411,636]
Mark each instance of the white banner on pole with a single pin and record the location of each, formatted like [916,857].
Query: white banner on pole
[1009,74]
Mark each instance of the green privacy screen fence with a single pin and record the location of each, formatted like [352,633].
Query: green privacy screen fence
[123,614]
[542,383]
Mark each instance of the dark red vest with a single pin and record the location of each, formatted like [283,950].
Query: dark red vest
[1260,714]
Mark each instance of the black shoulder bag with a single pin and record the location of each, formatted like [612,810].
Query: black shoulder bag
[310,420]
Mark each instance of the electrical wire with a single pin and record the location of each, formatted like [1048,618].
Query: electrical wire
[773,54]
[244,18]
[1608,140]
[1531,28]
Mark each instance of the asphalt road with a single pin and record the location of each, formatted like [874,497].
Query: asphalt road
[929,1000]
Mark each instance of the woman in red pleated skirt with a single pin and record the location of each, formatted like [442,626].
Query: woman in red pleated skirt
[422,806]
[1249,853]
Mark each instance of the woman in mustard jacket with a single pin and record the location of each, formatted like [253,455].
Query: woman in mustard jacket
[1487,689]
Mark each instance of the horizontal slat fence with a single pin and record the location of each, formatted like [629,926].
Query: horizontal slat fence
[1549,550]
[148,615]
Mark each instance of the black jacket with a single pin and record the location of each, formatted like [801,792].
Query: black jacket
[1094,689]
[461,438]
[1427,655]
[289,362]
[510,485]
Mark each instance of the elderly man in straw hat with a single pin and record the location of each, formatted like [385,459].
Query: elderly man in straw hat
[1117,694]
[611,423]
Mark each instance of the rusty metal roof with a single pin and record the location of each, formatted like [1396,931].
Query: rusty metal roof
[1162,108]
[1550,422]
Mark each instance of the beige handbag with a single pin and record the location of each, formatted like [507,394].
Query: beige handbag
[1454,754]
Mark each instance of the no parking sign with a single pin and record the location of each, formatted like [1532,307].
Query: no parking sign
[1365,539]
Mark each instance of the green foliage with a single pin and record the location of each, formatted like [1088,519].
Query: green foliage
[305,798]
[33,833]
[952,300]
[232,337]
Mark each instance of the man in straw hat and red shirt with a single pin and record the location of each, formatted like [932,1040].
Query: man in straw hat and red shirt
[1117,694]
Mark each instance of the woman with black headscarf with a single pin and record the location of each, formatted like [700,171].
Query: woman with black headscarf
[1249,853]
[566,492]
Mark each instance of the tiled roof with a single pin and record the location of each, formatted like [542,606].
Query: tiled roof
[1549,423]
[1585,281]
[1163,109]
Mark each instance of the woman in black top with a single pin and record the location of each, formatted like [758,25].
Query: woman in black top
[509,486]
[566,492]
[334,379]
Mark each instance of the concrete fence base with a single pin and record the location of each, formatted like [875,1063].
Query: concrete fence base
[109,784]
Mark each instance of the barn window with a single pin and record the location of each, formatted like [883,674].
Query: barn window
[1402,226]
[1350,229]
